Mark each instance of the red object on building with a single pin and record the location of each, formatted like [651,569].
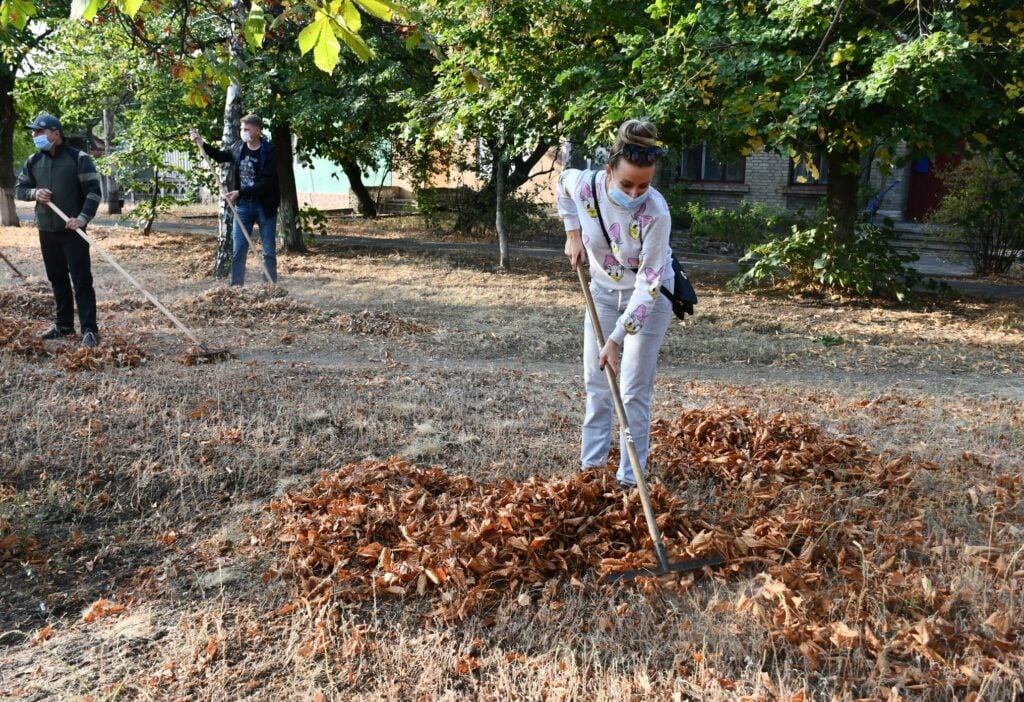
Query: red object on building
[926,188]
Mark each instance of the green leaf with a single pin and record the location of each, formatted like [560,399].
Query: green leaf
[355,42]
[471,79]
[310,35]
[129,7]
[16,12]
[255,27]
[383,9]
[85,9]
[325,54]
[350,16]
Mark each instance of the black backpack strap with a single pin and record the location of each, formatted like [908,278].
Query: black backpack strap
[597,208]
[600,219]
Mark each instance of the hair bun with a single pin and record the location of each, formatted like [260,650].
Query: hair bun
[636,131]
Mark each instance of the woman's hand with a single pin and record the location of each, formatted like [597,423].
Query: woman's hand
[609,355]
[574,248]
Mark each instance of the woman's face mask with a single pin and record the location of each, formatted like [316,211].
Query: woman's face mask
[639,184]
[623,200]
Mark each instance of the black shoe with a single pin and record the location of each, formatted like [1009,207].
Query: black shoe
[90,339]
[623,485]
[57,332]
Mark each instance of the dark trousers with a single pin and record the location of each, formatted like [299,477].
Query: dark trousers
[66,256]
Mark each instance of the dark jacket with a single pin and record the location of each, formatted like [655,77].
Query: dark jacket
[265,190]
[71,175]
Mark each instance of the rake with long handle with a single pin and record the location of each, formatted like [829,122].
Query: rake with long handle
[204,351]
[234,210]
[8,262]
[664,566]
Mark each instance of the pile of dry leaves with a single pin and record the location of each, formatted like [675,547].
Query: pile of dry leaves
[393,528]
[32,301]
[262,305]
[827,537]
[841,555]
[249,306]
[380,323]
[114,352]
[15,337]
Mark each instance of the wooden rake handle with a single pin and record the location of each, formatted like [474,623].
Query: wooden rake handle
[149,296]
[620,411]
[13,268]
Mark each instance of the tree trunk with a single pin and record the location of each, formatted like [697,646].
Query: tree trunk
[500,175]
[111,190]
[288,214]
[367,207]
[841,192]
[232,116]
[8,120]
[480,205]
[154,199]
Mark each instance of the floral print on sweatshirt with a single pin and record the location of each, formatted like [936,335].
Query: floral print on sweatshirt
[634,255]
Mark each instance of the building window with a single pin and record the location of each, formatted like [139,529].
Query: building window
[701,163]
[583,159]
[813,173]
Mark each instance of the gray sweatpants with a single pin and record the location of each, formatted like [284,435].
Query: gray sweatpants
[636,380]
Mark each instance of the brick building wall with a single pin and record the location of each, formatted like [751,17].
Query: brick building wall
[766,181]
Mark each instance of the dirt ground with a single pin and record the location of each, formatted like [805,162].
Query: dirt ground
[140,557]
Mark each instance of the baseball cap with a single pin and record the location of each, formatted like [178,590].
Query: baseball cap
[44,121]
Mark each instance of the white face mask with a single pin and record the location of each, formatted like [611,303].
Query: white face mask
[246,136]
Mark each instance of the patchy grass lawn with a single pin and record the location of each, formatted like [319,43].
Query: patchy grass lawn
[857,465]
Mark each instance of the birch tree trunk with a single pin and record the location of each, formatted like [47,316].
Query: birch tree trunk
[232,117]
[500,175]
[111,190]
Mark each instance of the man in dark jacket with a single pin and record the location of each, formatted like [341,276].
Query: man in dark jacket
[66,177]
[255,192]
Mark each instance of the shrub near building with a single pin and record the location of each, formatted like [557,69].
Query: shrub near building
[985,205]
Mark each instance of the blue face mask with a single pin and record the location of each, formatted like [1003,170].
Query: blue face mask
[42,142]
[623,200]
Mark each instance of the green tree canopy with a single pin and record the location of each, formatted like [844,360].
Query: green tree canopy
[802,75]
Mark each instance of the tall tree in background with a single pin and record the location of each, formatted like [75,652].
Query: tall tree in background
[347,116]
[94,75]
[506,77]
[19,40]
[208,55]
[837,77]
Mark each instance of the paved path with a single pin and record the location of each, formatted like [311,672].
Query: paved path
[930,264]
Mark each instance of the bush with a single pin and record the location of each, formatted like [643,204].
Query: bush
[471,213]
[732,229]
[737,229]
[985,202]
[813,258]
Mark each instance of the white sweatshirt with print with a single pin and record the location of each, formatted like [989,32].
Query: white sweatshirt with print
[639,257]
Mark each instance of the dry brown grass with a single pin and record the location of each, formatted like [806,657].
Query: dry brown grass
[147,486]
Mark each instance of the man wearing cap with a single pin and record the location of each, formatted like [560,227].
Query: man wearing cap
[66,177]
[255,192]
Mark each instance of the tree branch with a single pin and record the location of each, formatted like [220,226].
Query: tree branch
[824,40]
